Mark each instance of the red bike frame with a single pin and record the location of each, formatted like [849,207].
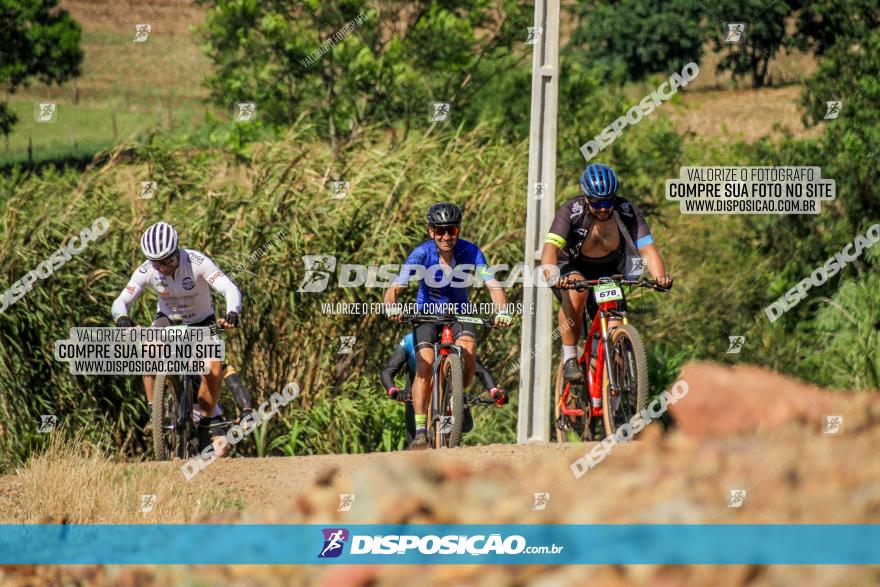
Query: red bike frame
[594,384]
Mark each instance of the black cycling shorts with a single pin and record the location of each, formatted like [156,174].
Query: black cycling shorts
[425,335]
[590,270]
[161,321]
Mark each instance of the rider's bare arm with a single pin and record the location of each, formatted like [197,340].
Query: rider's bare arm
[549,257]
[499,299]
[656,267]
[392,293]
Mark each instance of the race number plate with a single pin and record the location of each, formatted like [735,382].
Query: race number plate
[607,293]
[470,319]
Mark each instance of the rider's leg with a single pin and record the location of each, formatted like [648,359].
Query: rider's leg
[209,391]
[425,335]
[571,313]
[209,398]
[421,389]
[149,380]
[467,340]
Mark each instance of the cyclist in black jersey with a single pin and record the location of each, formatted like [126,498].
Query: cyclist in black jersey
[595,235]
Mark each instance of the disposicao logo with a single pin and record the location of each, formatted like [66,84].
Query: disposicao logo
[334,540]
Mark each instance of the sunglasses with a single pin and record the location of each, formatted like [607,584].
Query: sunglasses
[602,204]
[444,230]
[164,262]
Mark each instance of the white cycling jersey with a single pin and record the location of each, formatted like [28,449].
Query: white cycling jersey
[187,292]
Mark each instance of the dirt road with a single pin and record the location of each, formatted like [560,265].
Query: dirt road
[775,447]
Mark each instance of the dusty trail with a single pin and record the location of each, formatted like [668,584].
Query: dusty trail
[740,428]
[271,483]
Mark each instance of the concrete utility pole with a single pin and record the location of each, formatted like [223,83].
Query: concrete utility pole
[535,382]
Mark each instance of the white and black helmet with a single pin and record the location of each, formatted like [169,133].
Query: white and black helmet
[159,241]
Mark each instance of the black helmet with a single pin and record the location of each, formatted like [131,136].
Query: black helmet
[444,214]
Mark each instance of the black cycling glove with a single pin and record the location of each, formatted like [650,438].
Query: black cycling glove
[232,318]
[123,322]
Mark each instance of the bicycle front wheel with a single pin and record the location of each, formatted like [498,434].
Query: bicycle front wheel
[451,413]
[627,391]
[164,417]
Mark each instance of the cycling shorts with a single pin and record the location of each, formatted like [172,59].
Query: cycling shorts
[427,334]
[162,321]
[588,269]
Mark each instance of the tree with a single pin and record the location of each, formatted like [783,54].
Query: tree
[640,36]
[824,23]
[346,64]
[37,41]
[764,36]
[849,74]
[820,24]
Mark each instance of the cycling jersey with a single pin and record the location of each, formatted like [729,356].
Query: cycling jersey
[442,285]
[187,292]
[572,222]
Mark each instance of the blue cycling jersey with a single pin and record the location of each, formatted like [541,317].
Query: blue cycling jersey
[439,287]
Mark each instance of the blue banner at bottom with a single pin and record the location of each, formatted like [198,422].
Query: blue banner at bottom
[517,544]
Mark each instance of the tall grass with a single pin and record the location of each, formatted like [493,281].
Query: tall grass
[230,207]
[231,202]
[73,481]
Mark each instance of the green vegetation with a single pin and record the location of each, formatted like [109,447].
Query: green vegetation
[640,37]
[360,115]
[338,62]
[37,41]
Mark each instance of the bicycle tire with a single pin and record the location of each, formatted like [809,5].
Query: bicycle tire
[163,389]
[451,404]
[580,424]
[631,376]
[186,434]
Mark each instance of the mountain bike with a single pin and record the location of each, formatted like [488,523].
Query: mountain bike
[175,435]
[447,400]
[614,382]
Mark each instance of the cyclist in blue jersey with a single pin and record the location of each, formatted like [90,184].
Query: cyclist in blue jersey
[446,263]
[405,354]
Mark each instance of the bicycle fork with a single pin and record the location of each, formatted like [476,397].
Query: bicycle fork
[606,360]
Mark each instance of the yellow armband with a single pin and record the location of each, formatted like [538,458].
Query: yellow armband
[555,239]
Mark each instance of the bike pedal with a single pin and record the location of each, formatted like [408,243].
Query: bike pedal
[562,424]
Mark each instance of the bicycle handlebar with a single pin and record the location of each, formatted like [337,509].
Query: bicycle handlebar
[221,327]
[582,284]
[440,319]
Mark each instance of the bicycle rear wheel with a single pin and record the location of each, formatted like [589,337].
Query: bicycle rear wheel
[450,418]
[629,365]
[579,425]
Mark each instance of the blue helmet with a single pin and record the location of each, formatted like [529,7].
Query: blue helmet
[599,182]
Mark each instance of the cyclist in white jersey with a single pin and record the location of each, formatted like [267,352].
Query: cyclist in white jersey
[183,280]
